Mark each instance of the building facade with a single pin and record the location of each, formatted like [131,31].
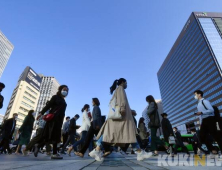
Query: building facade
[1,118]
[6,49]
[25,96]
[194,62]
[48,88]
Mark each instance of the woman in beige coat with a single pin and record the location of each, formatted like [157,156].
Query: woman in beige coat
[119,132]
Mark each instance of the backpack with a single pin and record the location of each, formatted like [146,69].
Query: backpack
[216,111]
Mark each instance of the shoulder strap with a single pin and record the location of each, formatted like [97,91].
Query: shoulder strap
[204,105]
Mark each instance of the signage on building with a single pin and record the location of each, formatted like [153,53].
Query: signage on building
[31,77]
[203,14]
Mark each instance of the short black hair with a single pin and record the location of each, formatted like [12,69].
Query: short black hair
[175,128]
[67,117]
[76,116]
[199,92]
[2,85]
[60,89]
[96,101]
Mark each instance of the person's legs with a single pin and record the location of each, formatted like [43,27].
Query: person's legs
[65,145]
[91,145]
[84,133]
[153,137]
[124,149]
[54,148]
[88,140]
[48,147]
[175,149]
[5,144]
[18,149]
[195,146]
[34,140]
[204,134]
[184,148]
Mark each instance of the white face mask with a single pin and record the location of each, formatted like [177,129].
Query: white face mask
[174,130]
[195,97]
[64,93]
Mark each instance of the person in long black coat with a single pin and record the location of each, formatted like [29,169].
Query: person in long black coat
[167,131]
[7,132]
[167,127]
[52,130]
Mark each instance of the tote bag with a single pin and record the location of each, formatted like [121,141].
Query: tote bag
[114,111]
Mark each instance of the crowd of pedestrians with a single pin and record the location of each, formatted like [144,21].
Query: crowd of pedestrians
[119,130]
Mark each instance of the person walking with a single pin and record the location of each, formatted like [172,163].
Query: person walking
[208,123]
[71,132]
[121,131]
[196,142]
[40,124]
[2,86]
[8,129]
[179,142]
[154,124]
[26,130]
[142,129]
[65,130]
[83,129]
[52,129]
[167,131]
[96,124]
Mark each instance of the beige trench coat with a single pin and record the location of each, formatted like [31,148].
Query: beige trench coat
[120,131]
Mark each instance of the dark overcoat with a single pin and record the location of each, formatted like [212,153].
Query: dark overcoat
[52,129]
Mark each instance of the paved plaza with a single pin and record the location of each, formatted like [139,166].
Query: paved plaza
[115,161]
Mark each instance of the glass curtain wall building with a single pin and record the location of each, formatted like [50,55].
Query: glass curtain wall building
[194,62]
[6,49]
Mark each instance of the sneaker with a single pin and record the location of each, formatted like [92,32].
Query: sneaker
[93,153]
[24,152]
[56,156]
[143,155]
[96,154]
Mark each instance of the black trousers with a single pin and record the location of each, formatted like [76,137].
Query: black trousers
[5,144]
[208,127]
[196,146]
[65,137]
[71,139]
[184,148]
[90,134]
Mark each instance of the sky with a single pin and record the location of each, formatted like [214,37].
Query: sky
[87,44]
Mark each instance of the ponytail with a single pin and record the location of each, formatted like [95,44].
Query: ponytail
[115,83]
[86,106]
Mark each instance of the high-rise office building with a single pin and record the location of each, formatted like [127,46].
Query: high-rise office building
[25,96]
[6,48]
[48,88]
[1,118]
[194,62]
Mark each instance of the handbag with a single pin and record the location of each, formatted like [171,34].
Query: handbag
[172,140]
[114,111]
[48,117]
